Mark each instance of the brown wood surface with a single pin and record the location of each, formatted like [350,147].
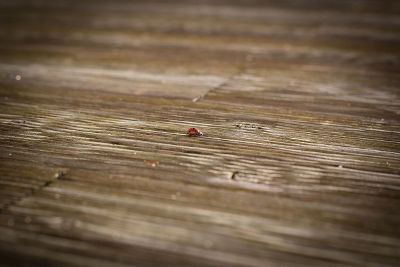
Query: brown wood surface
[298,102]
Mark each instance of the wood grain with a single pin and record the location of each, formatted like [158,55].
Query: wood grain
[298,101]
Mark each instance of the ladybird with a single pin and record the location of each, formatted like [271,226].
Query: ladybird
[193,132]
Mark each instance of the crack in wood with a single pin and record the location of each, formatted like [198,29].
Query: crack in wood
[58,176]
[241,69]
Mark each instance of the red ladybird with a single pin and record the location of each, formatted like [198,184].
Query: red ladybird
[193,132]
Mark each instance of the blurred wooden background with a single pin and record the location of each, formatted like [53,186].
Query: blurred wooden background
[298,102]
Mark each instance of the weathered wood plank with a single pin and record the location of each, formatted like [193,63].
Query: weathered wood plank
[299,164]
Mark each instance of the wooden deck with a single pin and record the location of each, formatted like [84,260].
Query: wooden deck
[298,101]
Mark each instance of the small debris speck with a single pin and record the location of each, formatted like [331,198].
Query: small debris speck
[18,77]
[234,174]
[196,99]
[60,175]
[28,219]
[152,163]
